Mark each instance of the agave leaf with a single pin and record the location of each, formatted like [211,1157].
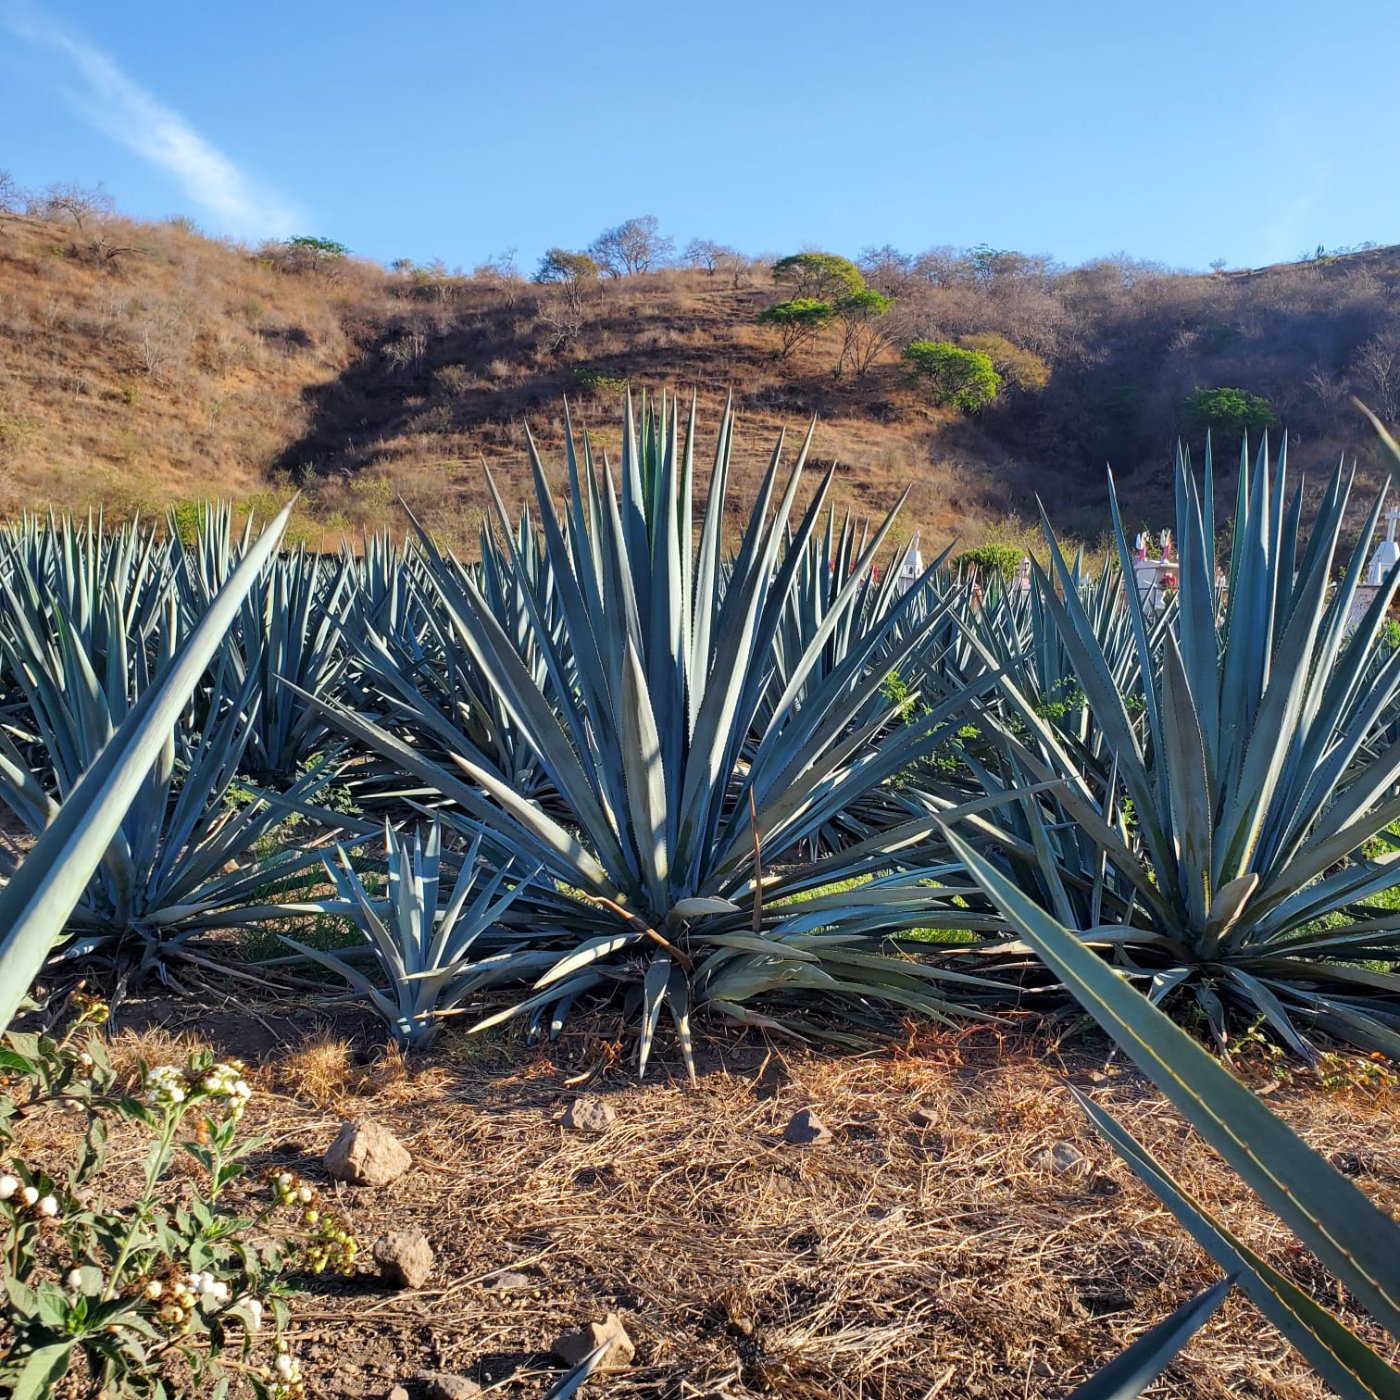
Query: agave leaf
[594,950]
[1341,1358]
[697,906]
[1131,1372]
[645,775]
[1357,1241]
[655,989]
[1228,902]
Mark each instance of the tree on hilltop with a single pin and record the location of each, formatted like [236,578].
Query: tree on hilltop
[818,276]
[574,273]
[635,245]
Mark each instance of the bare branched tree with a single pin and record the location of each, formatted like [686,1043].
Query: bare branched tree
[636,245]
[1377,368]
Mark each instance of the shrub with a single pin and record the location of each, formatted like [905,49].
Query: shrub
[596,382]
[1019,368]
[1233,413]
[999,559]
[954,377]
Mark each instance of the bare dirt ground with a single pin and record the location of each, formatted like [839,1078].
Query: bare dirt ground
[899,1259]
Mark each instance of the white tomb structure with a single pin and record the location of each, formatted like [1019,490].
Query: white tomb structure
[1382,562]
[912,569]
[1155,577]
[1021,583]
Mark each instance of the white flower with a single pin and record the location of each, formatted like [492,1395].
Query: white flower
[29,1195]
[74,1279]
[283,1366]
[165,1086]
[253,1307]
[154,1289]
[48,1206]
[8,1186]
[304,1195]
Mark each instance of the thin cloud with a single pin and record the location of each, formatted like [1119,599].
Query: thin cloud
[138,120]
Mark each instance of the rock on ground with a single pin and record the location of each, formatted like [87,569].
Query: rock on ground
[589,1114]
[440,1385]
[573,1347]
[1062,1158]
[404,1257]
[806,1130]
[366,1153]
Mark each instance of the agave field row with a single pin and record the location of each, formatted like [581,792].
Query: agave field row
[647,769]
[614,761]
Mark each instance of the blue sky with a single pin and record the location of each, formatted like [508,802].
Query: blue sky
[1179,132]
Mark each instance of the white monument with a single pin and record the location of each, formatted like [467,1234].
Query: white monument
[1022,582]
[1382,562]
[1155,578]
[912,569]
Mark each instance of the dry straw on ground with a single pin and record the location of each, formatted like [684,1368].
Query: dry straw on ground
[904,1258]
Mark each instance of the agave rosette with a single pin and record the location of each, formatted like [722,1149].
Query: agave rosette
[684,775]
[1218,834]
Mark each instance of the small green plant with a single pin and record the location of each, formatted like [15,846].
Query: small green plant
[428,956]
[599,383]
[182,520]
[166,1293]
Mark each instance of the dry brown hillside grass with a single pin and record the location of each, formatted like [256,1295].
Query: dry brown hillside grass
[183,367]
[187,368]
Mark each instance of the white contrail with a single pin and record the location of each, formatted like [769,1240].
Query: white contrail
[129,114]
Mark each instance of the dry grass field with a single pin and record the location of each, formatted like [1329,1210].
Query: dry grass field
[902,1259]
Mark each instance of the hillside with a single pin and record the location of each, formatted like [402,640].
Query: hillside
[145,365]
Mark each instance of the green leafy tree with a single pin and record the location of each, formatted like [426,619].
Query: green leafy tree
[954,378]
[863,328]
[1232,413]
[796,321]
[818,276]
